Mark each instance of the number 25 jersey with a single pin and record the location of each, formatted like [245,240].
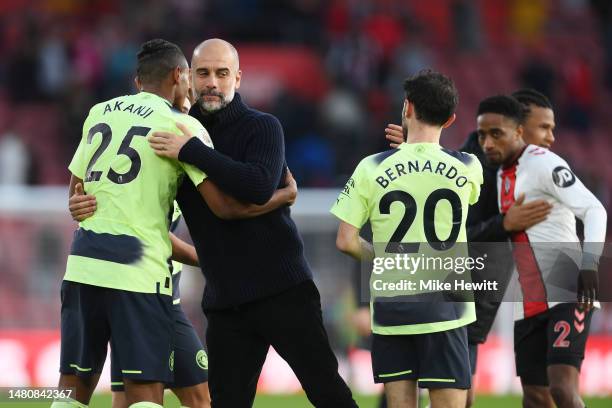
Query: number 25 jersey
[125,244]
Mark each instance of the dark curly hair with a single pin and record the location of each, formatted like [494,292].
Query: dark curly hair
[433,95]
[156,59]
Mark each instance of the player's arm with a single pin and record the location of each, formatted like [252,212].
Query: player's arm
[183,252]
[352,209]
[227,207]
[349,242]
[561,182]
[253,180]
[81,205]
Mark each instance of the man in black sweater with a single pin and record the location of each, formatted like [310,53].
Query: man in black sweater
[259,289]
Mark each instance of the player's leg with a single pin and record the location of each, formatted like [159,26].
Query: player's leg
[568,330]
[564,381]
[194,396]
[117,386]
[444,366]
[530,346]
[190,364]
[473,354]
[447,398]
[236,357]
[84,338]
[401,394]
[142,337]
[83,386]
[293,324]
[395,364]
[118,399]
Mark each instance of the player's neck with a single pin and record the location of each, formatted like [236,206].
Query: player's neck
[421,133]
[167,94]
[515,156]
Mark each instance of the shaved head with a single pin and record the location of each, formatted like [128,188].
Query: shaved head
[216,74]
[216,46]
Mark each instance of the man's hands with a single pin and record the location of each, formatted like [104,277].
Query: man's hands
[81,205]
[290,188]
[395,135]
[521,216]
[588,288]
[166,144]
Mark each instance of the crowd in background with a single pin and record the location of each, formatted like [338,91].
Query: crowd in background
[69,54]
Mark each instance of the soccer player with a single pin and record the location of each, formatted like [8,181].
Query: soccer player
[411,195]
[117,285]
[549,336]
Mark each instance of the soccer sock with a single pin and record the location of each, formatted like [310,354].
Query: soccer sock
[145,404]
[68,403]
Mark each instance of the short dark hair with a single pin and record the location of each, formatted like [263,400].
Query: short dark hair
[503,105]
[529,96]
[156,59]
[433,95]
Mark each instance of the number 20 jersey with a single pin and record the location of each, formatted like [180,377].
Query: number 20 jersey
[125,244]
[434,186]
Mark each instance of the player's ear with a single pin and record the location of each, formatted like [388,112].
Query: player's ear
[450,121]
[176,74]
[520,131]
[137,84]
[238,78]
[408,109]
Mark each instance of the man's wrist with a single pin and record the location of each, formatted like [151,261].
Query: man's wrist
[190,150]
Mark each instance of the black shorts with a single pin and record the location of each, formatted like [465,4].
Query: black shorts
[435,360]
[190,359]
[557,336]
[473,351]
[139,327]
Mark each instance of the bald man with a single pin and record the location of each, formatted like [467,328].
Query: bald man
[259,288]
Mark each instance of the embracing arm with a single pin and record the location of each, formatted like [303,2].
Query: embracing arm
[227,207]
[252,180]
[183,252]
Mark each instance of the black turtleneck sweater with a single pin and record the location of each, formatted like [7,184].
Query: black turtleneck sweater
[242,260]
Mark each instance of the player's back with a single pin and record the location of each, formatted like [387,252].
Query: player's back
[125,244]
[433,185]
[416,198]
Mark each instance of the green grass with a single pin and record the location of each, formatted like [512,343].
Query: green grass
[300,401]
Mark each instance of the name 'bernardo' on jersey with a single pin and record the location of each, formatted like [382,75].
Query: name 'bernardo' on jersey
[421,166]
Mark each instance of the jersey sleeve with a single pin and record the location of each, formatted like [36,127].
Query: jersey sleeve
[196,175]
[476,179]
[560,182]
[352,204]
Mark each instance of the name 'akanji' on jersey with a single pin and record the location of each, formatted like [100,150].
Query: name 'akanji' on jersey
[401,169]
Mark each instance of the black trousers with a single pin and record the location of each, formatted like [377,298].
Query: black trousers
[238,340]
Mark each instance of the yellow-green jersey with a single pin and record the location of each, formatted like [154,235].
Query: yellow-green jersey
[125,244]
[416,198]
[177,267]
